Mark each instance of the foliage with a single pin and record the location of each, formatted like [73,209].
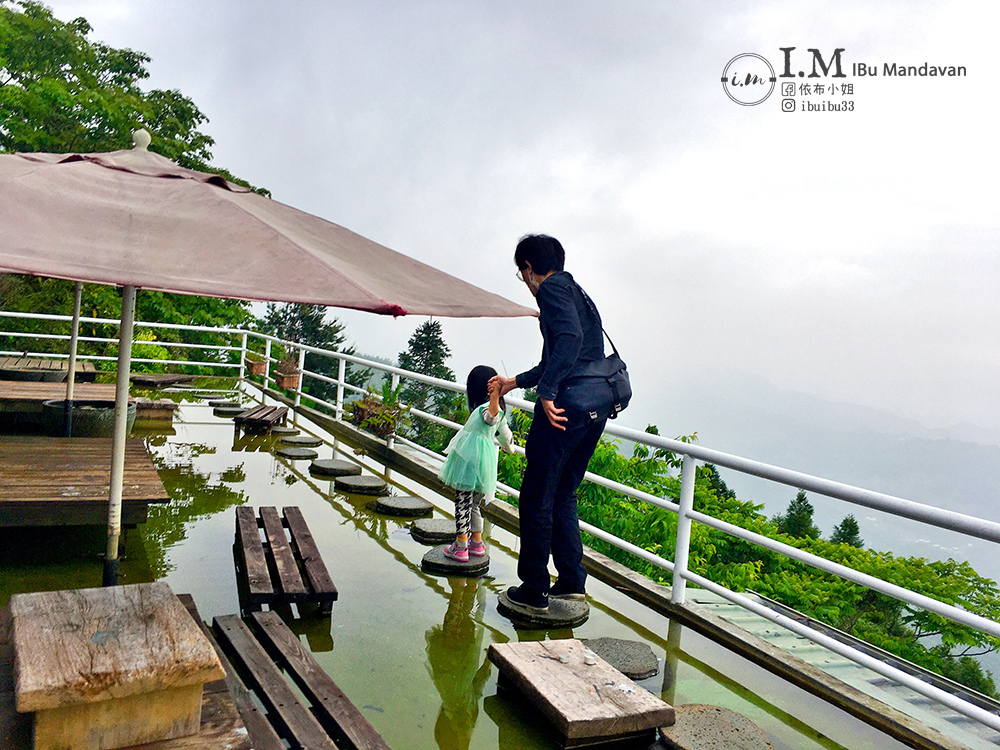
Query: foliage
[797,521]
[379,413]
[847,532]
[426,353]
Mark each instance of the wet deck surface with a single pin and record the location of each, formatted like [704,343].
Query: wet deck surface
[22,391]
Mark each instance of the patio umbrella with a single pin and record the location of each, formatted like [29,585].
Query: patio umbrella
[136,219]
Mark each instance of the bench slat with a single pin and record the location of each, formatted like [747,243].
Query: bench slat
[335,709]
[319,578]
[272,688]
[289,580]
[252,555]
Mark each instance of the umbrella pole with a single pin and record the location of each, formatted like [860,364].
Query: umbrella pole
[119,435]
[71,375]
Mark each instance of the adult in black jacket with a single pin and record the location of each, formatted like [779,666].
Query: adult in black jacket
[561,441]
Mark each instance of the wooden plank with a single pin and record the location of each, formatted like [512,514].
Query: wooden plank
[272,689]
[251,552]
[289,582]
[91,645]
[333,707]
[37,391]
[323,588]
[584,701]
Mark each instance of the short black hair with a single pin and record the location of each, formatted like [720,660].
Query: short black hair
[477,387]
[544,253]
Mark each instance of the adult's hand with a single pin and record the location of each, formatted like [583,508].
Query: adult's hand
[554,413]
[506,384]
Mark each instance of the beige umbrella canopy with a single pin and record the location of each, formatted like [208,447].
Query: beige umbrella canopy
[137,219]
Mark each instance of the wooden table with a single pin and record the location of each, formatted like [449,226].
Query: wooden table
[43,368]
[46,481]
[589,704]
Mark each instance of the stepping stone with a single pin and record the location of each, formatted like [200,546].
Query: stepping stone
[433,530]
[436,562]
[227,411]
[222,402]
[562,614]
[403,505]
[700,727]
[280,429]
[296,453]
[302,441]
[360,485]
[633,659]
[333,467]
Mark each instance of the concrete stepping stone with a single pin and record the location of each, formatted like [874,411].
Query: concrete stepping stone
[223,402]
[296,453]
[227,411]
[280,429]
[302,441]
[436,562]
[333,467]
[360,485]
[433,530]
[562,614]
[633,659]
[403,505]
[700,727]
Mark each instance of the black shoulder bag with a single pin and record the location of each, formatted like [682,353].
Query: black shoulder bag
[602,388]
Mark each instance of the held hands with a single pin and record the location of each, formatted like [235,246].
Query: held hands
[506,385]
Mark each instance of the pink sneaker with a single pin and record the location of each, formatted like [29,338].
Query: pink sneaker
[461,554]
[477,549]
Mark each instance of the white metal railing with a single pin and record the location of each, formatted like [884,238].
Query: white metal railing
[691,455]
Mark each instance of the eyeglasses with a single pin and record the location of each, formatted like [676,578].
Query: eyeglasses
[520,275]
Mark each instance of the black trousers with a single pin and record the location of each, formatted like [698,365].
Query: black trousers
[557,460]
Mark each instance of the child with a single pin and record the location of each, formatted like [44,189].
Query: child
[471,466]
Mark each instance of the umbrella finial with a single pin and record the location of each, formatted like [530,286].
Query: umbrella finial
[141,139]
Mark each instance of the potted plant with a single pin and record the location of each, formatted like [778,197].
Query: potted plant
[287,373]
[256,364]
[379,413]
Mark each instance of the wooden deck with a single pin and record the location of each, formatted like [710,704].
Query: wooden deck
[43,369]
[46,481]
[30,393]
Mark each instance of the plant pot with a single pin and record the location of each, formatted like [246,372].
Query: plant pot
[256,368]
[284,380]
[90,418]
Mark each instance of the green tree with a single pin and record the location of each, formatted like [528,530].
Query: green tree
[797,521]
[426,353]
[847,532]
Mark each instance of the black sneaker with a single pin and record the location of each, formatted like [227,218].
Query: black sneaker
[525,600]
[556,592]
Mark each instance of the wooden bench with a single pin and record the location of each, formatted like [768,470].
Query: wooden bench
[261,418]
[282,568]
[327,720]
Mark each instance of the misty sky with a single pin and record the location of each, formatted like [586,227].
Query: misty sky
[743,258]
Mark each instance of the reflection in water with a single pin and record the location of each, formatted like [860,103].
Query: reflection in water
[454,649]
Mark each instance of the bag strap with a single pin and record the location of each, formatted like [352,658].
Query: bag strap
[597,315]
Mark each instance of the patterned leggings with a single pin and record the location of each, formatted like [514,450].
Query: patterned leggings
[467,515]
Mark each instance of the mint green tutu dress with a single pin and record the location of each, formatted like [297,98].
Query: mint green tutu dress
[472,455]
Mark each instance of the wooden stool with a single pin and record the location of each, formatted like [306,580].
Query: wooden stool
[110,667]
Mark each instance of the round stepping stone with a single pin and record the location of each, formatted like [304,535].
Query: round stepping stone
[433,530]
[280,429]
[700,727]
[562,613]
[633,659]
[222,402]
[436,562]
[360,485]
[302,441]
[227,411]
[333,467]
[296,453]
[403,505]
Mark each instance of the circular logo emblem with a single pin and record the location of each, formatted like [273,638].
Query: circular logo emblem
[748,79]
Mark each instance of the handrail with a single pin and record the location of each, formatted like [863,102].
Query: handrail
[968,525]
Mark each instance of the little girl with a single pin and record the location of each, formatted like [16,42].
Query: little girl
[471,466]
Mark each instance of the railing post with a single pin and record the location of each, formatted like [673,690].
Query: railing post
[302,377]
[394,384]
[243,357]
[341,379]
[688,470]
[267,369]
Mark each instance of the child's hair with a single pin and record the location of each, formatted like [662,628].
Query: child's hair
[476,387]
